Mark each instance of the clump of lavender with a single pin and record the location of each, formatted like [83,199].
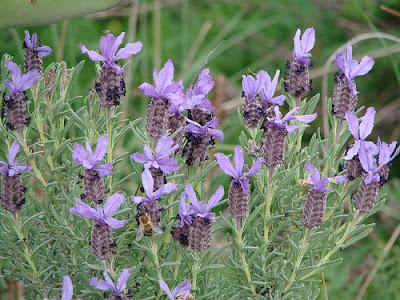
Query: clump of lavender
[199,138]
[111,85]
[297,80]
[202,218]
[239,190]
[375,174]
[360,132]
[344,97]
[117,289]
[15,109]
[149,204]
[67,290]
[276,132]
[34,52]
[162,93]
[94,171]
[159,162]
[102,242]
[13,190]
[180,232]
[180,292]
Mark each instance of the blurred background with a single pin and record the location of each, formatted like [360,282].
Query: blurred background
[235,37]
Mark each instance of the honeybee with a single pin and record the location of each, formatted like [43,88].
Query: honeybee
[146,226]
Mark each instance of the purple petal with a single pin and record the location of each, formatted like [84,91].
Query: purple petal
[138,199]
[367,123]
[168,165]
[278,100]
[313,172]
[28,41]
[193,129]
[192,197]
[225,164]
[139,158]
[148,90]
[104,170]
[113,203]
[250,87]
[44,51]
[307,40]
[306,118]
[256,167]
[123,279]
[363,67]
[165,190]
[84,210]
[214,199]
[106,45]
[3,168]
[217,133]
[352,151]
[67,289]
[182,290]
[14,149]
[164,77]
[297,53]
[165,288]
[18,168]
[165,147]
[101,284]
[204,83]
[114,223]
[101,148]
[147,182]
[129,50]
[93,55]
[15,72]
[366,159]
[115,45]
[292,128]
[340,179]
[80,156]
[352,120]
[29,79]
[238,158]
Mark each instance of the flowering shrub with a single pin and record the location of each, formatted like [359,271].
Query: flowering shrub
[289,208]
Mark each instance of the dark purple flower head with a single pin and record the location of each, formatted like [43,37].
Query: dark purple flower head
[314,178]
[161,158]
[185,213]
[236,171]
[281,121]
[33,44]
[203,209]
[208,128]
[360,131]
[303,45]
[85,156]
[268,88]
[251,86]
[13,167]
[352,68]
[101,215]
[18,82]
[148,185]
[181,291]
[164,87]
[109,45]
[108,283]
[387,152]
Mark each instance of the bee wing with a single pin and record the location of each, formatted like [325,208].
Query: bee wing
[139,233]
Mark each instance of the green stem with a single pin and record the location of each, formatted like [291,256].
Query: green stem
[154,252]
[195,270]
[268,202]
[110,143]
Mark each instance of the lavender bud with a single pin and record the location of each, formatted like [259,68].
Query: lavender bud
[200,116]
[252,111]
[274,145]
[365,198]
[94,186]
[15,110]
[384,174]
[353,168]
[199,234]
[103,245]
[157,117]
[343,100]
[158,177]
[196,148]
[13,193]
[297,79]
[180,233]
[238,200]
[32,60]
[314,208]
[110,87]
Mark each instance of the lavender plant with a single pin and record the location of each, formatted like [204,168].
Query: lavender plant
[290,205]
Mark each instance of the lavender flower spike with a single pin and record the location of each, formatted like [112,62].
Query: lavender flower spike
[34,52]
[15,103]
[84,156]
[387,152]
[162,93]
[111,85]
[239,190]
[12,198]
[180,232]
[202,217]
[297,80]
[315,205]
[181,291]
[67,289]
[344,97]
[118,289]
[251,87]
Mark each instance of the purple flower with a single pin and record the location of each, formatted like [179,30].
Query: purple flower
[161,159]
[109,45]
[352,68]
[148,185]
[281,122]
[203,209]
[33,44]
[18,82]
[236,171]
[181,291]
[368,162]
[185,213]
[101,215]
[251,86]
[360,131]
[208,128]
[314,178]
[89,159]
[13,167]
[387,152]
[303,45]
[164,87]
[67,289]
[108,283]
[268,88]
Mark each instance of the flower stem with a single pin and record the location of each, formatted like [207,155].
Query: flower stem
[110,143]
[268,203]
[154,252]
